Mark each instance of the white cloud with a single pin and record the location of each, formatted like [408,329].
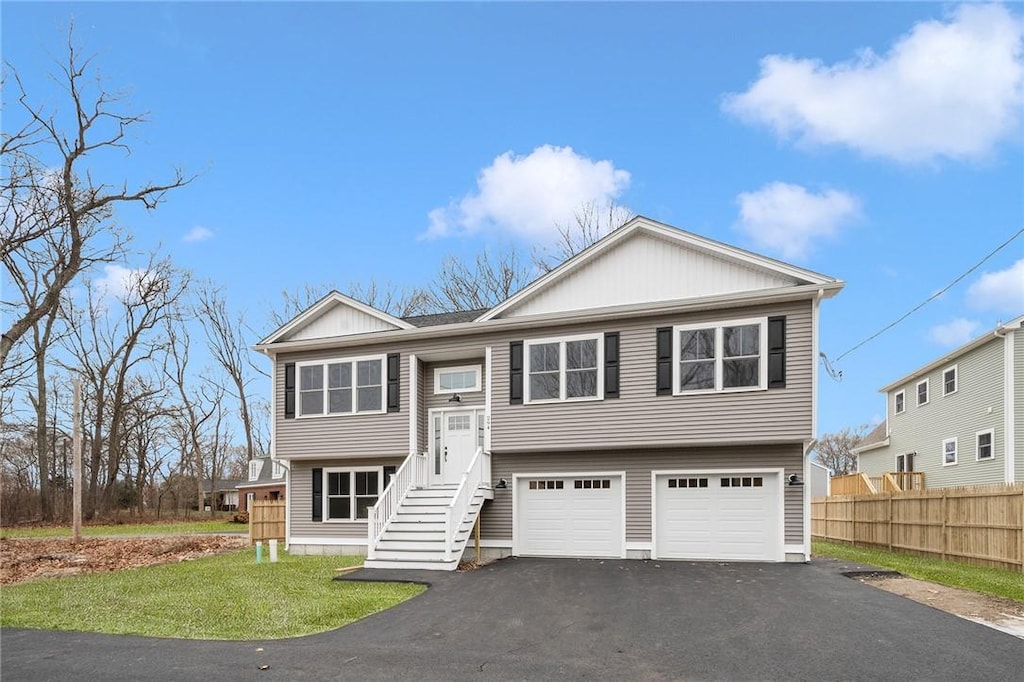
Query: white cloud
[528,195]
[946,89]
[198,234]
[1002,290]
[786,219]
[117,282]
[954,333]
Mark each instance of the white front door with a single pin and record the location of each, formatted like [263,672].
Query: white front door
[454,444]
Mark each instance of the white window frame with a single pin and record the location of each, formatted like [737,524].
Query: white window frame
[991,445]
[762,367]
[956,452]
[477,387]
[927,392]
[896,403]
[354,388]
[956,380]
[255,467]
[353,505]
[278,471]
[562,384]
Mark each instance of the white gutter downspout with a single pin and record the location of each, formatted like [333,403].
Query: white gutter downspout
[1009,403]
[815,349]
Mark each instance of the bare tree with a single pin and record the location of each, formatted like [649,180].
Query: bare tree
[488,280]
[835,450]
[296,301]
[63,202]
[113,336]
[390,298]
[225,339]
[590,222]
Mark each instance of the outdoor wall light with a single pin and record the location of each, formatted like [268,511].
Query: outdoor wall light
[502,484]
[794,479]
[455,398]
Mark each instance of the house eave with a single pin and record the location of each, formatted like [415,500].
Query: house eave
[877,445]
[952,356]
[750,298]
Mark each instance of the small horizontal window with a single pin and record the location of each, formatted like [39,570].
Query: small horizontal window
[592,484]
[743,482]
[687,483]
[547,485]
[457,379]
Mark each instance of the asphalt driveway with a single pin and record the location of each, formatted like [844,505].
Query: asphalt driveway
[534,618]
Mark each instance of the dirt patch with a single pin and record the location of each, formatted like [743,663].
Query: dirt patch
[27,559]
[998,612]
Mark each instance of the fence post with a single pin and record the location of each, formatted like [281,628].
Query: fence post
[826,533]
[945,536]
[889,536]
[853,524]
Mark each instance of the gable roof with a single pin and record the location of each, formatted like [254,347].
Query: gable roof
[767,272]
[950,357]
[438,319]
[309,317]
[877,438]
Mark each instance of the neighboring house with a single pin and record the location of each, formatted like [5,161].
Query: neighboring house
[653,396]
[267,481]
[957,419]
[225,496]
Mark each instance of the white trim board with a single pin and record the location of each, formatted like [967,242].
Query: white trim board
[303,540]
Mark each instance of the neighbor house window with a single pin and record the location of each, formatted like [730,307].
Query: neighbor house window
[949,451]
[721,357]
[899,403]
[986,444]
[278,471]
[949,380]
[457,379]
[922,392]
[341,386]
[350,492]
[254,469]
[564,369]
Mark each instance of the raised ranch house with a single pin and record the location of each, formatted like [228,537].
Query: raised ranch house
[654,396]
[957,420]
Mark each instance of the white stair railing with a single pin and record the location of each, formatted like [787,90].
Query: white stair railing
[411,473]
[479,467]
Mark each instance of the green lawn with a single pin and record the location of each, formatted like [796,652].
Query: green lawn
[223,597]
[995,581]
[176,528]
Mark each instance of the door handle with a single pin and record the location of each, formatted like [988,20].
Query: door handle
[446,453]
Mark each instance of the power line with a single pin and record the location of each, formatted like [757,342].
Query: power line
[828,365]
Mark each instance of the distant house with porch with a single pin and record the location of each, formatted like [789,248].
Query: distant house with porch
[267,481]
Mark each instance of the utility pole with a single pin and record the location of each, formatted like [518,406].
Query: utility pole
[76,435]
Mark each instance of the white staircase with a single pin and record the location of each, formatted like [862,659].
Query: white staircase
[415,536]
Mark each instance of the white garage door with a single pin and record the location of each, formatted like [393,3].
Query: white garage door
[569,516]
[730,516]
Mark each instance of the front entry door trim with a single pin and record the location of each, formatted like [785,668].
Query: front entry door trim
[454,438]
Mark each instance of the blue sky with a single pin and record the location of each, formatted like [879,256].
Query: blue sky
[877,143]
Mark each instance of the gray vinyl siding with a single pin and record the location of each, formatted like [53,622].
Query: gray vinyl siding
[876,462]
[639,418]
[300,499]
[496,516]
[1018,403]
[470,399]
[976,406]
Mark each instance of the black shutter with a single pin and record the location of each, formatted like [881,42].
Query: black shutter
[664,371]
[777,352]
[318,494]
[611,365]
[394,376]
[389,473]
[515,373]
[289,390]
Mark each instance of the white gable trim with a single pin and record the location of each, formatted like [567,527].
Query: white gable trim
[669,233]
[324,304]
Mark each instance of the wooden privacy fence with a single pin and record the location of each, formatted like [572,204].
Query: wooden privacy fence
[978,525]
[266,520]
[891,482]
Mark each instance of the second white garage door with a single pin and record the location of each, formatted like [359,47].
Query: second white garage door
[569,516]
[726,516]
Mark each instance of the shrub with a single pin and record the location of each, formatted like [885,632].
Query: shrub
[240,517]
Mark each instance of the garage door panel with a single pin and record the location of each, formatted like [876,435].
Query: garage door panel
[738,520]
[569,521]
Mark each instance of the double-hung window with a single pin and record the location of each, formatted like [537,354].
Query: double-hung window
[949,453]
[564,369]
[949,380]
[985,442]
[346,386]
[351,492]
[899,403]
[922,392]
[728,356]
